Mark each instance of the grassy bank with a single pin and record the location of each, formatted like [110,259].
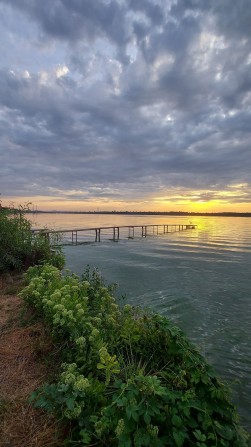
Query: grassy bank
[27,354]
[127,377]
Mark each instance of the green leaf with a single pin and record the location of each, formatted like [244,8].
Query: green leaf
[135,416]
[145,439]
[225,432]
[179,437]
[177,421]
[200,436]
[124,441]
[101,366]
[70,403]
[147,418]
[86,438]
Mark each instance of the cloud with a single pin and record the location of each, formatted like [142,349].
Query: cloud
[127,99]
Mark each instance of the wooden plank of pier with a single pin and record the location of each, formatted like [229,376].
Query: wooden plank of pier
[143,231]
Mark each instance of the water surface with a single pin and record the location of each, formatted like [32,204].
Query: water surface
[200,279]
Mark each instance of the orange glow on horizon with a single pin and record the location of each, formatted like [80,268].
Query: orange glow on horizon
[43,203]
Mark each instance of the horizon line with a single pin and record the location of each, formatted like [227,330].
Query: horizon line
[195,213]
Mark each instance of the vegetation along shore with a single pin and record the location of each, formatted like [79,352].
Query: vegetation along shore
[97,373]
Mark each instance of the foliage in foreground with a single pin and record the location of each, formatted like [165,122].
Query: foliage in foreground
[129,378]
[19,248]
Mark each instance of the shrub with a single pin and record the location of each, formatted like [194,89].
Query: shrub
[129,377]
[19,248]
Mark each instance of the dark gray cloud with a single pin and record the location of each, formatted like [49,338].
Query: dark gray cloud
[125,99]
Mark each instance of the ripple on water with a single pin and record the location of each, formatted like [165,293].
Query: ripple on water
[200,280]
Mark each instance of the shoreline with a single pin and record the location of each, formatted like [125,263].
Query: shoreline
[145,213]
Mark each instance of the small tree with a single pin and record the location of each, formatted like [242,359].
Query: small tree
[19,248]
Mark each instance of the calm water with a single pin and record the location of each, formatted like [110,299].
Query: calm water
[200,279]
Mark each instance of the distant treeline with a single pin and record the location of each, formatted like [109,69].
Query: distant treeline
[149,213]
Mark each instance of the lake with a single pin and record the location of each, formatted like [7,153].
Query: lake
[199,278]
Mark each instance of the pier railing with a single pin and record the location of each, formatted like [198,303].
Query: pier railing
[114,233]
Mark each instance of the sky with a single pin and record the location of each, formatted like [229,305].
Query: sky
[126,104]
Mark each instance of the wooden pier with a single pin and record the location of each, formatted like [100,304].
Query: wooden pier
[97,234]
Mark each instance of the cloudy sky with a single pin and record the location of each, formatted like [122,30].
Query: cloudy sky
[126,104]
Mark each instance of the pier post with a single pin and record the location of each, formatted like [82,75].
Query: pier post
[74,240]
[144,230]
[97,239]
[115,233]
[131,233]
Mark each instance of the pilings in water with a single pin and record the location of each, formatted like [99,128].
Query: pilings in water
[115,233]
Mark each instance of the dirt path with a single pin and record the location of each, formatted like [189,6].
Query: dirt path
[22,370]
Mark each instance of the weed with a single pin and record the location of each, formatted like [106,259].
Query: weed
[129,377]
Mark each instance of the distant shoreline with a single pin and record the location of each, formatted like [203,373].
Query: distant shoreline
[141,213]
[147,213]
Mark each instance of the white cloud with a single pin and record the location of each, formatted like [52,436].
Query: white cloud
[61,71]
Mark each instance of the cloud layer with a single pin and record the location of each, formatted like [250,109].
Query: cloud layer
[124,100]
